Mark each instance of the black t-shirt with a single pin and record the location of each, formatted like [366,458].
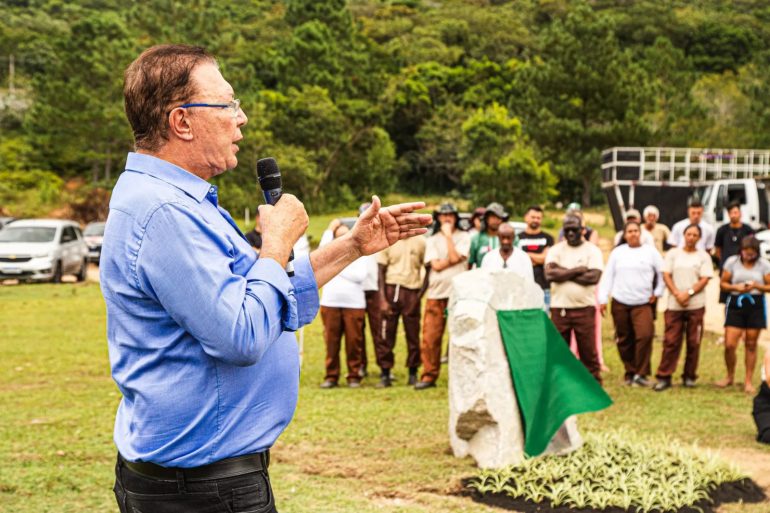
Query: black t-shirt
[728,240]
[254,238]
[536,243]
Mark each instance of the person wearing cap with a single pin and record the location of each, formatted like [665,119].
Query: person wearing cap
[589,234]
[633,216]
[660,232]
[486,240]
[574,267]
[694,216]
[400,282]
[445,254]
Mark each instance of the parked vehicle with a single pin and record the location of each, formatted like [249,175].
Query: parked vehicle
[4,221]
[94,235]
[42,250]
[668,177]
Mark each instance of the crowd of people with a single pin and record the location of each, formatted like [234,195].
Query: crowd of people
[647,260]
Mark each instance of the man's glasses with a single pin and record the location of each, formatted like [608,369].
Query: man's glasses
[234,106]
[571,229]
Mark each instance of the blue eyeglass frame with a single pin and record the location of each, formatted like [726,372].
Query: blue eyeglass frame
[235,105]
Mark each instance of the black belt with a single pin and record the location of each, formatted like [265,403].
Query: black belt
[221,469]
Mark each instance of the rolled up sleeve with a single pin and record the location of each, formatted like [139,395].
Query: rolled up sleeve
[186,266]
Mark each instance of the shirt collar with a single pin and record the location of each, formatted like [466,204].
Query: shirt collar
[194,186]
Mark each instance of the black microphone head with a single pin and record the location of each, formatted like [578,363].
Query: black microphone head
[268,173]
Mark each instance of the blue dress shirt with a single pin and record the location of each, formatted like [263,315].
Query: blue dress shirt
[199,328]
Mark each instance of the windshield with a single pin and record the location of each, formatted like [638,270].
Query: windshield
[94,229]
[27,234]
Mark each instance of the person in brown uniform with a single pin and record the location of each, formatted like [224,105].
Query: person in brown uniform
[445,256]
[400,284]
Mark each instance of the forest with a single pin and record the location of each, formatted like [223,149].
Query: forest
[483,100]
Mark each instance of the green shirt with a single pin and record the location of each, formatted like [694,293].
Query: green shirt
[481,244]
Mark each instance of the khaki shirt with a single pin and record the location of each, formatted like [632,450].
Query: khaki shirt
[440,282]
[660,234]
[570,294]
[404,261]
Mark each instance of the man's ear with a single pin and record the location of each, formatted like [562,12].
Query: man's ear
[179,125]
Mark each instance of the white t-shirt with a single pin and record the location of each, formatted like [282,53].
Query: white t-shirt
[518,262]
[440,282]
[686,269]
[346,290]
[570,294]
[630,273]
[707,237]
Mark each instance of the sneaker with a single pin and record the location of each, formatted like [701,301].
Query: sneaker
[640,381]
[385,382]
[354,384]
[628,381]
[422,385]
[661,385]
[412,380]
[329,383]
[689,383]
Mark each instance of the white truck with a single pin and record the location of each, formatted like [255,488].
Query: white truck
[669,177]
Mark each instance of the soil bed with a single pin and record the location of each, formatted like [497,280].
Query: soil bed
[744,490]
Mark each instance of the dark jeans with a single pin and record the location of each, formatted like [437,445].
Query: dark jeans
[136,493]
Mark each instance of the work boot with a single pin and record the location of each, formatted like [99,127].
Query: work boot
[412,376]
[385,380]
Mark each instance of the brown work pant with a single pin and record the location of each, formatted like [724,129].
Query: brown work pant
[433,325]
[690,324]
[337,321]
[407,304]
[375,324]
[634,329]
[581,322]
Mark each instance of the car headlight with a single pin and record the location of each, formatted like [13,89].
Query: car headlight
[42,255]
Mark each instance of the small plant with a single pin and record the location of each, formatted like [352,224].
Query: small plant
[615,469]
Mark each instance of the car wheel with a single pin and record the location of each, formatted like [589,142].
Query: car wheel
[57,273]
[81,276]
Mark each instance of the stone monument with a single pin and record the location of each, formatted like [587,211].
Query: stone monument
[484,418]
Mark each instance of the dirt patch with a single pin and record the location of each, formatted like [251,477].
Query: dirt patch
[745,490]
[755,463]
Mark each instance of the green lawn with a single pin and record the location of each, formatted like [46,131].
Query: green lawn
[363,450]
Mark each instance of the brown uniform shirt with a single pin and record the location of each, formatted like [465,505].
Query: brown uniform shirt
[404,260]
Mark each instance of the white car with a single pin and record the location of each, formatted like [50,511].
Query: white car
[94,235]
[42,250]
[764,243]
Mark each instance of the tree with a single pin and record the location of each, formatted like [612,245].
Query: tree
[500,165]
[581,94]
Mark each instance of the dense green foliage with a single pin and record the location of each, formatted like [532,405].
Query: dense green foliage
[511,100]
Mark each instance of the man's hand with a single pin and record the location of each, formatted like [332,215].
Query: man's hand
[378,228]
[282,226]
[682,297]
[384,306]
[603,309]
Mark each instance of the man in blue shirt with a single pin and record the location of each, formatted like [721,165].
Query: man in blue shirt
[200,327]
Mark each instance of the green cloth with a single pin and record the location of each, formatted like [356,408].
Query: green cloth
[549,382]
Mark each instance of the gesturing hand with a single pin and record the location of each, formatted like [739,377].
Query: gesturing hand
[378,228]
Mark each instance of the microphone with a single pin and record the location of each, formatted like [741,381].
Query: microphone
[270,181]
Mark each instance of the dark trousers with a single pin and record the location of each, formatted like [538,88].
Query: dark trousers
[634,329]
[581,322]
[405,304]
[681,322]
[433,325]
[762,413]
[245,493]
[375,324]
[337,321]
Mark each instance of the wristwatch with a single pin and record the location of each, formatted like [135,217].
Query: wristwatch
[691,292]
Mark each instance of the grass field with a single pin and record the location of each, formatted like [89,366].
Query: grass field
[364,450]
